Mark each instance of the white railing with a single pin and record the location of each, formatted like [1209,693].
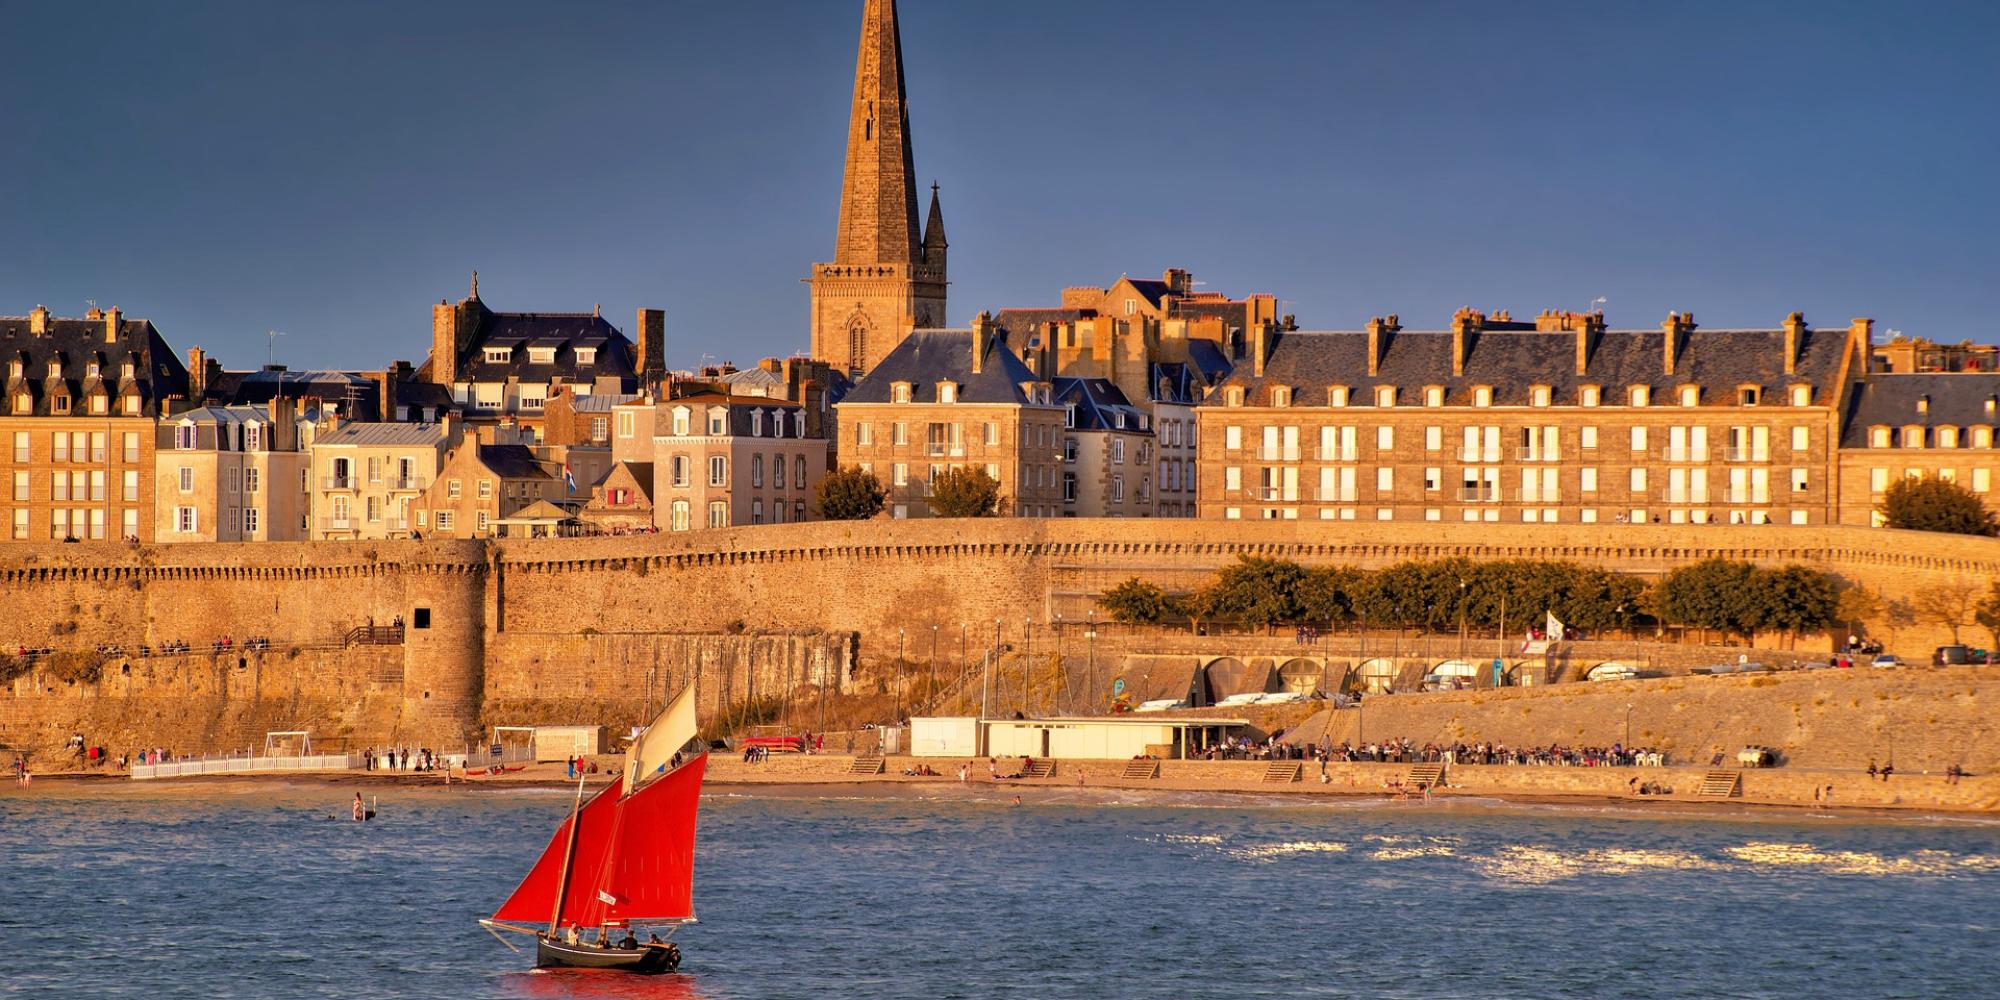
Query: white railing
[244,765]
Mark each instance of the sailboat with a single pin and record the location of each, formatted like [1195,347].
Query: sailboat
[623,860]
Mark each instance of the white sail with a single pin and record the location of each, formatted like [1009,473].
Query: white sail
[669,731]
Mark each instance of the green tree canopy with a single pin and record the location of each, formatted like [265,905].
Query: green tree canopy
[1329,593]
[1137,602]
[1259,591]
[1793,599]
[849,495]
[1933,504]
[964,492]
[1712,594]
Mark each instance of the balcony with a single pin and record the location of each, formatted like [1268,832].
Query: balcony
[338,523]
[1537,455]
[1291,454]
[1745,455]
[408,484]
[1478,494]
[341,482]
[1685,455]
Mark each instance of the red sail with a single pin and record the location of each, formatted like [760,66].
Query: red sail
[647,871]
[534,899]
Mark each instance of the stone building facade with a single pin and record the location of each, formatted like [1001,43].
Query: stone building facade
[953,399]
[234,474]
[81,403]
[367,478]
[717,460]
[1555,421]
[887,276]
[481,484]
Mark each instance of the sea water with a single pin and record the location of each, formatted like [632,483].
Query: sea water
[260,889]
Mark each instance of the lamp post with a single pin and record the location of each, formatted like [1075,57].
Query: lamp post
[1061,693]
[934,638]
[1090,672]
[1628,727]
[1461,621]
[999,668]
[900,636]
[1028,666]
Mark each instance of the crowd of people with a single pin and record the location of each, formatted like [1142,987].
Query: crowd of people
[1405,751]
[402,759]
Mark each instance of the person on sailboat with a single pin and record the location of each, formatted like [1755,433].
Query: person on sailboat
[570,936]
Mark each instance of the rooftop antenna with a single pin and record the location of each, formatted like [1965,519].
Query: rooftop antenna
[92,303]
[1598,301]
[271,349]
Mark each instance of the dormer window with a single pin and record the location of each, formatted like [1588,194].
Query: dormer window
[541,355]
[1947,437]
[126,370]
[1801,395]
[1589,395]
[100,403]
[1538,395]
[59,404]
[799,427]
[1641,395]
[498,355]
[1913,436]
[131,404]
[1748,395]
[14,369]
[55,369]
[1982,437]
[1482,395]
[1336,395]
[1281,396]
[681,420]
[184,437]
[1434,396]
[93,368]
[1878,437]
[586,356]
[1233,396]
[1385,395]
[253,437]
[947,392]
[718,421]
[899,392]
[757,424]
[1689,395]
[1118,421]
[1923,404]
[1069,414]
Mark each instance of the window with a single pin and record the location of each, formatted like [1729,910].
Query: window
[1433,439]
[249,520]
[1641,395]
[1069,450]
[497,355]
[487,395]
[1117,489]
[130,486]
[447,520]
[947,392]
[1587,480]
[1800,483]
[901,475]
[1482,395]
[678,519]
[1385,438]
[187,479]
[452,489]
[718,514]
[21,523]
[627,423]
[1639,438]
[1690,395]
[1747,395]
[1878,480]
[21,445]
[681,420]
[799,471]
[1878,437]
[1385,480]
[899,433]
[1589,395]
[534,397]
[482,521]
[899,392]
[718,471]
[1117,451]
[586,355]
[59,523]
[992,433]
[1982,480]
[1232,438]
[186,520]
[1538,395]
[1336,395]
[21,485]
[1385,395]
[61,442]
[97,446]
[863,434]
[1433,479]
[757,469]
[486,489]
[1433,396]
[1638,482]
[679,465]
[718,421]
[778,471]
[1069,487]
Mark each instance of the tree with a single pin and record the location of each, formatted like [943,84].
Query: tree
[1858,605]
[1136,602]
[1711,594]
[1197,605]
[1898,614]
[1793,599]
[964,492]
[1328,593]
[1259,591]
[1948,604]
[1987,613]
[1933,504]
[849,495]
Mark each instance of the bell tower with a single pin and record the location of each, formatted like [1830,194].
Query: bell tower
[887,276]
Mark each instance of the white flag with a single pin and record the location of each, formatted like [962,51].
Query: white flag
[1555,627]
[606,898]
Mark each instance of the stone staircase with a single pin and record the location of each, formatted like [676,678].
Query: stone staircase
[866,766]
[1424,776]
[1721,785]
[1140,770]
[1283,772]
[1040,767]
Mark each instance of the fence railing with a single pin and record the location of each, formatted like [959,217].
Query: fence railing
[246,765]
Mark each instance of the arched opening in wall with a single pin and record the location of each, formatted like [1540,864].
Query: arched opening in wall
[1524,673]
[242,663]
[125,669]
[1612,670]
[1300,676]
[1375,676]
[1452,675]
[1225,676]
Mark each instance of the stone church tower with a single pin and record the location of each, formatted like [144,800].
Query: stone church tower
[886,277]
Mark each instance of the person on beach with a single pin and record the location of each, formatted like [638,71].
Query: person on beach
[1872,769]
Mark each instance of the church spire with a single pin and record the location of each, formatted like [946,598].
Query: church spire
[878,203]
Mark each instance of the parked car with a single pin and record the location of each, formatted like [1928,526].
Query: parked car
[1887,660]
[1950,656]
[1757,756]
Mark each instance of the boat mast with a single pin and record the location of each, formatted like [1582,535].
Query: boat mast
[569,856]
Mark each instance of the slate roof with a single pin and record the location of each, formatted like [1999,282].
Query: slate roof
[1099,402]
[1025,326]
[159,376]
[359,396]
[927,357]
[393,434]
[601,402]
[564,331]
[1955,400]
[513,461]
[1513,361]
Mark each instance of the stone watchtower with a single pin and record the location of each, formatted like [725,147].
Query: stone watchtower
[887,276]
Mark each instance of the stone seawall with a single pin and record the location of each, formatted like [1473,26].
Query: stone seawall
[471,606]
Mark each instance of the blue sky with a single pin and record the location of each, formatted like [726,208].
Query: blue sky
[331,170]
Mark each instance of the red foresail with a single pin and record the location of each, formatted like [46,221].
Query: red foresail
[647,871]
[533,901]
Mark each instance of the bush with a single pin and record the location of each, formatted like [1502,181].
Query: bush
[1933,504]
[849,495]
[967,492]
[1136,602]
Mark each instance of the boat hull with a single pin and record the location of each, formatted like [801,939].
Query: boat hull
[646,959]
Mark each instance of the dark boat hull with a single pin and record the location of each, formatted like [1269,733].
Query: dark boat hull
[552,954]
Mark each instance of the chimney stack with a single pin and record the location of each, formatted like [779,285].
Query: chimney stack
[1380,332]
[1465,325]
[1588,330]
[1795,337]
[1261,341]
[1676,327]
[444,343]
[652,344]
[982,335]
[38,321]
[197,376]
[1862,332]
[112,320]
